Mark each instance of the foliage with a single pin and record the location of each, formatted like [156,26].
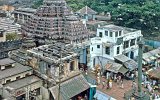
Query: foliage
[139,14]
[11,36]
[37,4]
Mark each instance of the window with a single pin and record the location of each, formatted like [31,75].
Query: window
[120,33]
[126,54]
[27,75]
[7,81]
[92,48]
[116,34]
[110,34]
[108,50]
[118,50]
[94,62]
[1,34]
[106,33]
[138,39]
[133,42]
[100,34]
[98,46]
[126,44]
[18,77]
[72,66]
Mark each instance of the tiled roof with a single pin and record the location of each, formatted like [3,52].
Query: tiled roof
[131,64]
[86,10]
[14,70]
[70,88]
[23,82]
[6,61]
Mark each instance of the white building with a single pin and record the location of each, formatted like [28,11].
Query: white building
[112,41]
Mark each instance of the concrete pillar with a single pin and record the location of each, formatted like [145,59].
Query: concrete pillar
[18,17]
[86,17]
[140,52]
[93,17]
[76,64]
[23,18]
[129,43]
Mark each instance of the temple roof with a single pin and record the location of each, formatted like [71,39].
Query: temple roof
[86,10]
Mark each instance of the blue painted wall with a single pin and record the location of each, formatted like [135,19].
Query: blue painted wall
[154,44]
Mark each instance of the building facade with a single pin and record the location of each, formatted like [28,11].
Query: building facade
[112,41]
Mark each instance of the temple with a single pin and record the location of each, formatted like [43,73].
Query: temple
[55,20]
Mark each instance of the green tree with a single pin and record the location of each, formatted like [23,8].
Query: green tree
[11,36]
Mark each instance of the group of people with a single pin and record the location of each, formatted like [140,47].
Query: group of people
[109,82]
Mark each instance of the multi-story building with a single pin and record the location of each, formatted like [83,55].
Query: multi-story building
[112,41]
[57,64]
[22,14]
[54,20]
[18,81]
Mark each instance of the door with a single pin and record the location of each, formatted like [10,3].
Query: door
[132,55]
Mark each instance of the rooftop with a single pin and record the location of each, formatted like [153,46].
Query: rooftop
[86,10]
[122,58]
[23,82]
[70,88]
[112,27]
[14,70]
[6,61]
[26,10]
[51,53]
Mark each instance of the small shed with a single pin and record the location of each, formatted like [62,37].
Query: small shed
[127,62]
[116,68]
[87,13]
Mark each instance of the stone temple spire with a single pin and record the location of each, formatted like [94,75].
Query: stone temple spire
[54,20]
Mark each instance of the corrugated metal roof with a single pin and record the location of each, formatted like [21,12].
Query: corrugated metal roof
[122,58]
[70,88]
[115,67]
[154,73]
[131,64]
